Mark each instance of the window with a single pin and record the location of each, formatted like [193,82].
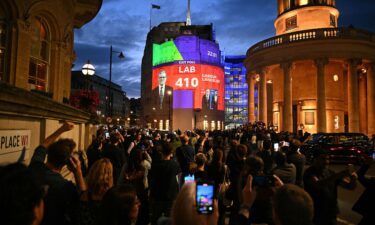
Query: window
[2,50]
[332,20]
[309,118]
[291,23]
[39,57]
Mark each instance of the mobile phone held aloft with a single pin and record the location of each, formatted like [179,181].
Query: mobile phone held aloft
[205,197]
[264,181]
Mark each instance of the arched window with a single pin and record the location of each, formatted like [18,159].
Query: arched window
[2,49]
[39,56]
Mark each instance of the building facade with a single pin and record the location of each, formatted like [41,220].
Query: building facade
[322,75]
[36,55]
[236,92]
[182,83]
[121,103]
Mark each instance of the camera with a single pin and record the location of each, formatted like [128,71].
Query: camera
[205,197]
[264,181]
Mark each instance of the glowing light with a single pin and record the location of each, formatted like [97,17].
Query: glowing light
[335,77]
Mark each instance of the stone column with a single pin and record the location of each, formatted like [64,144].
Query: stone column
[321,95]
[262,96]
[288,107]
[251,102]
[353,100]
[371,99]
[362,96]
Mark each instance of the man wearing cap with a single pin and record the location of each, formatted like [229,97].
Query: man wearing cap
[321,183]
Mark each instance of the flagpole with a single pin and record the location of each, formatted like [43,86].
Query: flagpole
[150,15]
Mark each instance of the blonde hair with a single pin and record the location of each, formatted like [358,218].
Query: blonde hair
[100,178]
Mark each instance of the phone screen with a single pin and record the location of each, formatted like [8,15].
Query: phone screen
[205,198]
[264,181]
[189,178]
[276,147]
[106,134]
[373,155]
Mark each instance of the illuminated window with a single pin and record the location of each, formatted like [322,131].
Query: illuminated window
[336,121]
[2,50]
[291,23]
[167,124]
[39,57]
[218,125]
[160,124]
[212,125]
[205,124]
[303,2]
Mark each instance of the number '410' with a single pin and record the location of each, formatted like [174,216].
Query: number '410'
[187,82]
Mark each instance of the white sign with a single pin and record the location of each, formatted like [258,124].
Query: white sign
[12,141]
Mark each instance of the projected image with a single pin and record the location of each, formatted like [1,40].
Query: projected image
[189,68]
[205,83]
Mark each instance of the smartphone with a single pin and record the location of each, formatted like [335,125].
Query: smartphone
[205,197]
[276,147]
[264,181]
[286,143]
[189,178]
[373,155]
[106,135]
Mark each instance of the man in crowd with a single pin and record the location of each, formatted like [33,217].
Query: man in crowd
[61,201]
[321,183]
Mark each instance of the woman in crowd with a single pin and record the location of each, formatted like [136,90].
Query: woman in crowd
[216,172]
[120,206]
[99,180]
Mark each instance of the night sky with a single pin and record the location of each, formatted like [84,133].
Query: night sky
[238,24]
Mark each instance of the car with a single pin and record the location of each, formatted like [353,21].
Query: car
[341,147]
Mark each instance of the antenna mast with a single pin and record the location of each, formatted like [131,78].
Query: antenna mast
[188,18]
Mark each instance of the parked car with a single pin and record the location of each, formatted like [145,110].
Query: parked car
[342,147]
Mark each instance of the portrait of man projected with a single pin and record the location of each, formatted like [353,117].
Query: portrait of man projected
[160,93]
[194,69]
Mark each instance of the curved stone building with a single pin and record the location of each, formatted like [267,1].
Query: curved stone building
[320,75]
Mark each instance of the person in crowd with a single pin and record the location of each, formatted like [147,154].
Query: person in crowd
[284,170]
[99,180]
[163,184]
[298,160]
[185,157]
[216,172]
[21,196]
[321,183]
[291,204]
[235,166]
[262,207]
[267,156]
[134,143]
[62,199]
[136,174]
[200,174]
[116,155]
[367,197]
[94,151]
[120,206]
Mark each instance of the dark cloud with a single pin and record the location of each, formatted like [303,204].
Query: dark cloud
[238,25]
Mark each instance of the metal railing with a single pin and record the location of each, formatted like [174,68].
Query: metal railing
[314,34]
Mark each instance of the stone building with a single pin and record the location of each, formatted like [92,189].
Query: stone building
[36,56]
[322,75]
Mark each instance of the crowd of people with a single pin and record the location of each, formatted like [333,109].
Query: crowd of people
[137,177]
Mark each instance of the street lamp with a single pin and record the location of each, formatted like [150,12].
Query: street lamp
[110,99]
[169,110]
[88,70]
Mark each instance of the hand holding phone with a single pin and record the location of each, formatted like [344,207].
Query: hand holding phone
[205,197]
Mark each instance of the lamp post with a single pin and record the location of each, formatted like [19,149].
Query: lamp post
[169,110]
[110,99]
[88,70]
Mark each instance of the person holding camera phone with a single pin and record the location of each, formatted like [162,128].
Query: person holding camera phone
[321,183]
[62,199]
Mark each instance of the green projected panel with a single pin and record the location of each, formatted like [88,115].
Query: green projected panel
[165,53]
